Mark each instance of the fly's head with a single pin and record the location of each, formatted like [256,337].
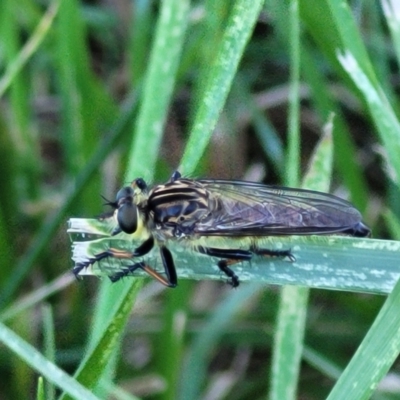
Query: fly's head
[128,203]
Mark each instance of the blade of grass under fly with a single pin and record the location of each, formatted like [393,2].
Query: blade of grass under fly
[292,312]
[322,261]
[237,32]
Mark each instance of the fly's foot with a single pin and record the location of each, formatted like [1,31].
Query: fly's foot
[90,261]
[233,278]
[125,271]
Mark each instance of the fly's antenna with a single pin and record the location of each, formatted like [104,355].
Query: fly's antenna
[113,204]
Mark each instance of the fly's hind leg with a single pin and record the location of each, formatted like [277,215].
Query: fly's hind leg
[230,257]
[273,253]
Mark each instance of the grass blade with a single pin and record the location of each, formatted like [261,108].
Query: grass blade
[375,356]
[158,87]
[231,47]
[47,369]
[326,262]
[293,303]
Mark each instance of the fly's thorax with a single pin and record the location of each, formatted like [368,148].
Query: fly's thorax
[175,208]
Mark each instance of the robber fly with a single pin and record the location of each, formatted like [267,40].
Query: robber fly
[223,213]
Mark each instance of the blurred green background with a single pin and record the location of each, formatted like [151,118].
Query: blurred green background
[94,94]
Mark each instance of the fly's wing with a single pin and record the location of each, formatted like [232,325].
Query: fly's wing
[246,208]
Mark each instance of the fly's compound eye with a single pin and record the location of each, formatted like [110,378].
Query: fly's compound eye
[127,217]
[124,193]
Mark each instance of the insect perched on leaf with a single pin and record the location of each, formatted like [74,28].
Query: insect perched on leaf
[220,218]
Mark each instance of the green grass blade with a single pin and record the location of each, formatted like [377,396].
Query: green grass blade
[390,8]
[333,28]
[332,22]
[351,173]
[293,151]
[293,300]
[98,357]
[321,363]
[239,28]
[142,30]
[49,344]
[157,92]
[158,87]
[40,390]
[30,47]
[47,230]
[380,109]
[172,338]
[43,366]
[288,342]
[375,356]
[201,349]
[293,303]
[268,136]
[326,262]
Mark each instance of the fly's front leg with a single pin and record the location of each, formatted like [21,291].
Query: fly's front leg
[143,249]
[230,257]
[90,261]
[171,279]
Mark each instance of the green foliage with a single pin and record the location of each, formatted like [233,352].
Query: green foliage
[94,97]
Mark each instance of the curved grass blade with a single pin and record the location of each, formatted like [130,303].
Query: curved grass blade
[376,354]
[47,369]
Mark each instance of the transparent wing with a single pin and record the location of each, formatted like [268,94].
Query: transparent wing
[246,208]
